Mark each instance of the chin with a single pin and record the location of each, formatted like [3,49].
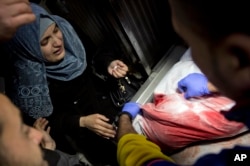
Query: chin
[44,163]
[60,57]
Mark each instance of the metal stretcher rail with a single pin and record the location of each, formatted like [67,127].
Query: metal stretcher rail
[145,93]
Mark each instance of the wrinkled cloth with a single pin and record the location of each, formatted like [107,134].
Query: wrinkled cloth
[29,86]
[173,122]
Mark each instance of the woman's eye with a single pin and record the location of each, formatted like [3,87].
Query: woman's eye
[44,42]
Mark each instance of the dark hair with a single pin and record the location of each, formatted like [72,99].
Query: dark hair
[3,160]
[214,19]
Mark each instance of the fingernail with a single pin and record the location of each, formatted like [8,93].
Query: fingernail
[115,67]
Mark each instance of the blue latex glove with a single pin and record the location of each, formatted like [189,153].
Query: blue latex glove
[194,85]
[132,108]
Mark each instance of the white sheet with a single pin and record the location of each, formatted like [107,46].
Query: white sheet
[168,84]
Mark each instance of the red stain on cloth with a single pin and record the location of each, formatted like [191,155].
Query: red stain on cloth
[173,122]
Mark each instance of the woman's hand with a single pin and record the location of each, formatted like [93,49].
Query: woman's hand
[99,124]
[117,69]
[47,142]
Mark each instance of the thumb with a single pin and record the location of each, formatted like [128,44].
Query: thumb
[187,95]
[181,87]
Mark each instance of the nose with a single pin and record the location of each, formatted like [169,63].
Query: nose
[35,135]
[57,41]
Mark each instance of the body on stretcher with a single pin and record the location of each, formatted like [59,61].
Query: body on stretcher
[175,123]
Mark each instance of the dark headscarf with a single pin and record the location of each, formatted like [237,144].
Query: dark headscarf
[30,90]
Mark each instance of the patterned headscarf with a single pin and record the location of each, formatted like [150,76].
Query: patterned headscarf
[30,90]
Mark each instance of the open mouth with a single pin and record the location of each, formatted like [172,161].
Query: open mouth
[59,51]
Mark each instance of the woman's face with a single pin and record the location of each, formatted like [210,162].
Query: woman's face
[52,45]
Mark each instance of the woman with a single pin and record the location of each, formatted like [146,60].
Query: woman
[50,78]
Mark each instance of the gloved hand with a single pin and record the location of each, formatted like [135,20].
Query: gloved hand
[194,85]
[132,108]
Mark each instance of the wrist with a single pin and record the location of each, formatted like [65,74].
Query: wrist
[125,114]
[124,126]
[82,121]
[131,108]
[121,116]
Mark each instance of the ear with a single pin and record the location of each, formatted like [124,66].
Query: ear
[236,47]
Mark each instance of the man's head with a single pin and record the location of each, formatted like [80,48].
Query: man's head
[19,144]
[219,36]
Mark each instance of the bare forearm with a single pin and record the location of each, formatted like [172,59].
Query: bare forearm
[82,121]
[125,126]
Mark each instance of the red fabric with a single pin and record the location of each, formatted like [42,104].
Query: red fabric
[173,122]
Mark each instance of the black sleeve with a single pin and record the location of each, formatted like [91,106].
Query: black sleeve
[66,121]
[71,100]
[59,158]
[50,156]
[104,55]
